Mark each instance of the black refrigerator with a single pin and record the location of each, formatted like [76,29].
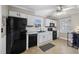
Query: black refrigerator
[15,35]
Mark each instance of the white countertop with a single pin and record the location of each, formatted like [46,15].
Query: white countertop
[36,32]
[32,32]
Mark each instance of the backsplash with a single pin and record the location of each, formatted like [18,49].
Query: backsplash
[29,29]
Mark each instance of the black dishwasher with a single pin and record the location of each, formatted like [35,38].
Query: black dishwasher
[32,40]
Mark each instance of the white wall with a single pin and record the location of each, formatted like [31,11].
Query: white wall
[4,14]
[0,30]
[58,28]
[75,20]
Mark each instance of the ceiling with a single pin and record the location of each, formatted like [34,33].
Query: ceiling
[38,7]
[45,10]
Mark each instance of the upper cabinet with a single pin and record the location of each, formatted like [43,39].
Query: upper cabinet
[17,14]
[54,22]
[5,11]
[23,15]
[47,22]
[50,23]
[13,13]
[30,20]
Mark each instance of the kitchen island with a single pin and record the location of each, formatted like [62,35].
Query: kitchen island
[38,38]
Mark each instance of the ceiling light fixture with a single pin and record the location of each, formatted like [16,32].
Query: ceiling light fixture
[60,13]
[68,8]
[63,11]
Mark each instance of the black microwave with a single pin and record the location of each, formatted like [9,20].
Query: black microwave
[50,29]
[52,25]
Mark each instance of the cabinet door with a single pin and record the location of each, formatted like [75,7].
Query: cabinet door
[23,15]
[30,20]
[40,39]
[47,22]
[46,36]
[13,13]
[50,36]
[54,21]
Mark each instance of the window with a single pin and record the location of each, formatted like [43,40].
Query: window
[65,25]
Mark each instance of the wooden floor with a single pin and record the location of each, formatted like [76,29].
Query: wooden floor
[60,48]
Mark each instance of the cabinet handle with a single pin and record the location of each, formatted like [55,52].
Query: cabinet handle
[17,14]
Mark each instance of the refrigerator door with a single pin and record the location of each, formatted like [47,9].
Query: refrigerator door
[16,35]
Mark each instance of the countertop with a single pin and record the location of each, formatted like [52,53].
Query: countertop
[36,32]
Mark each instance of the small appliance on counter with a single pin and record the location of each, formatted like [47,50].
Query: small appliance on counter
[52,25]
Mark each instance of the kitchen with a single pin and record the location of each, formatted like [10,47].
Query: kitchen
[40,30]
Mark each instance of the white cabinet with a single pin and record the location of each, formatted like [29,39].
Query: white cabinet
[47,22]
[13,13]
[51,21]
[17,14]
[50,36]
[23,15]
[30,20]
[54,21]
[5,10]
[41,37]
[44,38]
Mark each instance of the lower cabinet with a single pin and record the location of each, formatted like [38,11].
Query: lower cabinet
[44,38]
[32,41]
